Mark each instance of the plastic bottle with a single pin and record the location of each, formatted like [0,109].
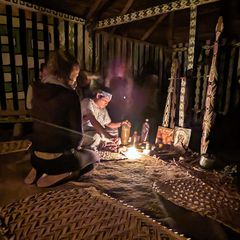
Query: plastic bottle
[125,134]
[145,131]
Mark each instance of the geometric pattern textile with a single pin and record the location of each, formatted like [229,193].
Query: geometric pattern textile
[78,214]
[203,193]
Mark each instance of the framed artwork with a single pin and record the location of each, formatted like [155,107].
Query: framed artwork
[181,137]
[164,136]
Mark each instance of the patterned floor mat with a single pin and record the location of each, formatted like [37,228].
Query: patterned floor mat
[78,214]
[110,156]
[204,193]
[14,146]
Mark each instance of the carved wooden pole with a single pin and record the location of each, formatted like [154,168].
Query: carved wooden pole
[211,92]
[205,75]
[167,110]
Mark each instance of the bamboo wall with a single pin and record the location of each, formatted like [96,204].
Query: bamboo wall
[28,37]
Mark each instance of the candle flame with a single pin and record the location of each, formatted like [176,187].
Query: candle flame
[132,153]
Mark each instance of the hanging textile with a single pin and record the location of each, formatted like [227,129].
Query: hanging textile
[222,69]
[192,36]
[198,88]
[229,81]
[182,102]
[61,29]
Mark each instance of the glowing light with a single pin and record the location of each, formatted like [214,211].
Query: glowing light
[132,153]
[124,97]
[146,151]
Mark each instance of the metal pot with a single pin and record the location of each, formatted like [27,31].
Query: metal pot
[207,161]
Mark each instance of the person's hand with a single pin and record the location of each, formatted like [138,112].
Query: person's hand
[126,122]
[115,141]
[112,145]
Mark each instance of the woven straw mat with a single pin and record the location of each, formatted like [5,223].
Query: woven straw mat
[14,146]
[77,214]
[110,156]
[200,196]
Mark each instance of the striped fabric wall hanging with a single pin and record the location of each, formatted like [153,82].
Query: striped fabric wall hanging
[26,40]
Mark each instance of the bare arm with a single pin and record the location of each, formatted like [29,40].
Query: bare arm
[98,127]
[114,125]
[118,124]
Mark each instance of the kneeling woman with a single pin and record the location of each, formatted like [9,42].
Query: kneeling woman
[57,125]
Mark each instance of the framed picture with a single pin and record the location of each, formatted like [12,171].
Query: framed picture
[164,136]
[181,137]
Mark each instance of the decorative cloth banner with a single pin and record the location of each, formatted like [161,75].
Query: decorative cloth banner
[88,51]
[192,35]
[61,33]
[229,81]
[198,87]
[182,102]
[80,43]
[223,59]
[35,8]
[27,38]
[71,34]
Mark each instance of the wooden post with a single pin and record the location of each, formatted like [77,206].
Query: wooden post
[211,92]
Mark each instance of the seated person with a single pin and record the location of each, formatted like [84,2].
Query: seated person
[42,75]
[83,87]
[97,124]
[57,125]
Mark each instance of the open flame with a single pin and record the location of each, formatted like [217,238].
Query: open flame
[132,153]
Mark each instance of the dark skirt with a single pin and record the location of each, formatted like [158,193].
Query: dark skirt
[68,162]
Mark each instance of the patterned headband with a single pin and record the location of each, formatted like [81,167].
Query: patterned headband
[105,94]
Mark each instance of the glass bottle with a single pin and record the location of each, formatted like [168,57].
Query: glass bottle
[125,134]
[145,131]
[135,138]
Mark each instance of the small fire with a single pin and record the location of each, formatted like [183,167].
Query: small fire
[132,153]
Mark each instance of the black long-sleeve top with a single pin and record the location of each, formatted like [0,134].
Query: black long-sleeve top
[57,105]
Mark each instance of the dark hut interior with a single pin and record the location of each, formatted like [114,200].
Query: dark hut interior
[174,62]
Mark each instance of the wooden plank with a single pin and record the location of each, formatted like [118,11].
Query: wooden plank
[150,12]
[124,11]
[93,9]
[154,26]
[6,113]
[12,57]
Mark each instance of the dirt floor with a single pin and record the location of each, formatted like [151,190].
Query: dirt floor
[127,184]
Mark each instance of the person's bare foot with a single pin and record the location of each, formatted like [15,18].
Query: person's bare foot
[31,177]
[48,180]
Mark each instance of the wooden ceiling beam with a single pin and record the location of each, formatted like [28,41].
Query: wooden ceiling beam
[154,26]
[93,9]
[104,6]
[100,7]
[128,4]
[151,12]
